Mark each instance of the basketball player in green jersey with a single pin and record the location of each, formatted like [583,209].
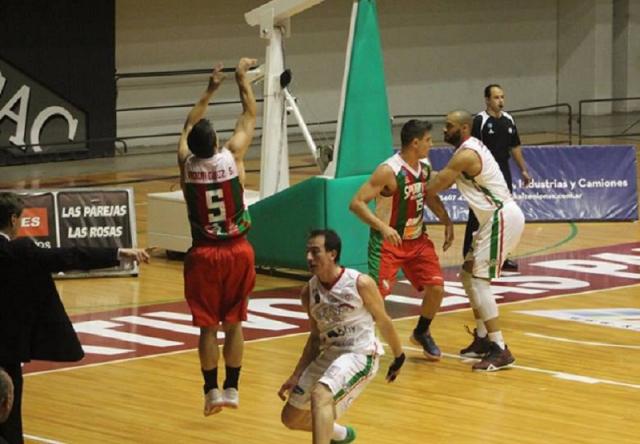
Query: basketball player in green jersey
[398,236]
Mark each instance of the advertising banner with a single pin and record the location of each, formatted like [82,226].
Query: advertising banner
[578,183]
[81,218]
[39,219]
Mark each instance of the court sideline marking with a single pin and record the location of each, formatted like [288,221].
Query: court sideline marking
[576,341]
[554,373]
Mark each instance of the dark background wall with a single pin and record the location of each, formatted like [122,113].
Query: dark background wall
[68,46]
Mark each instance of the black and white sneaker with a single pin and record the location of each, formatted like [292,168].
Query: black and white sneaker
[496,359]
[478,347]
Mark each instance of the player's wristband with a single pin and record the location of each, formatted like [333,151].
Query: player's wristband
[397,363]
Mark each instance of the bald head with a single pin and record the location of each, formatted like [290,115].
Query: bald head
[458,127]
[6,395]
[461,117]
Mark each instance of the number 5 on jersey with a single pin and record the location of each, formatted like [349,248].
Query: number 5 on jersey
[215,204]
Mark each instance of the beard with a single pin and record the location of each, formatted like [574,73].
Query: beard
[454,139]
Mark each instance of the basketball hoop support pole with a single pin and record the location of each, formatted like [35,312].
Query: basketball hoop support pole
[273,18]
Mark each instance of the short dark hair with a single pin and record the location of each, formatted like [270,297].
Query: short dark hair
[10,204]
[414,129]
[332,241]
[202,139]
[487,89]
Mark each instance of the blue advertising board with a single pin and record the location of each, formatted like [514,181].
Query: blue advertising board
[586,182]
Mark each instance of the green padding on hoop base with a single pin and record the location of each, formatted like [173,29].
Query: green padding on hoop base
[282,222]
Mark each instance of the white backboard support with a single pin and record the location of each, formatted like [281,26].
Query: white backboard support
[274,21]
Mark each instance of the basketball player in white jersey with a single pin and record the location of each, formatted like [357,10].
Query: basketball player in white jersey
[342,353]
[480,181]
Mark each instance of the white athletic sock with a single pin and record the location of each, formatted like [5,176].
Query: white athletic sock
[339,432]
[481,329]
[496,336]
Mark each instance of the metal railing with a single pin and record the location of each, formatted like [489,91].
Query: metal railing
[521,111]
[613,99]
[153,74]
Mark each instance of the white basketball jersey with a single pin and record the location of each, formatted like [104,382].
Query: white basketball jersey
[343,321]
[487,191]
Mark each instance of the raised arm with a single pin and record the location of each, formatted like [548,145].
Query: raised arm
[246,123]
[198,111]
[373,302]
[382,180]
[311,349]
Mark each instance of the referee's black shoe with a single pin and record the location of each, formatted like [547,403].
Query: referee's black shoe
[510,265]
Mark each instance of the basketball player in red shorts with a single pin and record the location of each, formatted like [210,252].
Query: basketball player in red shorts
[219,269]
[398,238]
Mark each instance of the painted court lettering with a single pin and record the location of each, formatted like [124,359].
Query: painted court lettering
[167,327]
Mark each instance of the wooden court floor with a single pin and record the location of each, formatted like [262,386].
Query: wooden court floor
[574,381]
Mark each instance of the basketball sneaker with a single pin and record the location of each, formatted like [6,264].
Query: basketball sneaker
[496,359]
[351,436]
[478,347]
[429,347]
[213,402]
[231,398]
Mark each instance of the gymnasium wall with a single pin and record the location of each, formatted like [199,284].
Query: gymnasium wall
[438,54]
[437,57]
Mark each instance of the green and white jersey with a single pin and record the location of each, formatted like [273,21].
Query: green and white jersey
[343,322]
[487,191]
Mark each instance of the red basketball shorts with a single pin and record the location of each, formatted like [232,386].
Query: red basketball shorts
[417,258]
[217,281]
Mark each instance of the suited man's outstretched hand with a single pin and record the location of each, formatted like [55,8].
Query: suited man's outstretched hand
[133,255]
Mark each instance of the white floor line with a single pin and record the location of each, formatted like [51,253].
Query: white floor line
[37,438]
[156,355]
[554,373]
[575,341]
[468,308]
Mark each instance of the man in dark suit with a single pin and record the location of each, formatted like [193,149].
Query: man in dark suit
[33,322]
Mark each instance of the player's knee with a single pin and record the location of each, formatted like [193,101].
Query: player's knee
[468,266]
[291,417]
[231,327]
[486,303]
[321,396]
[434,291]
[211,331]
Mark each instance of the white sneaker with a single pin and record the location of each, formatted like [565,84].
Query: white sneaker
[213,402]
[231,398]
